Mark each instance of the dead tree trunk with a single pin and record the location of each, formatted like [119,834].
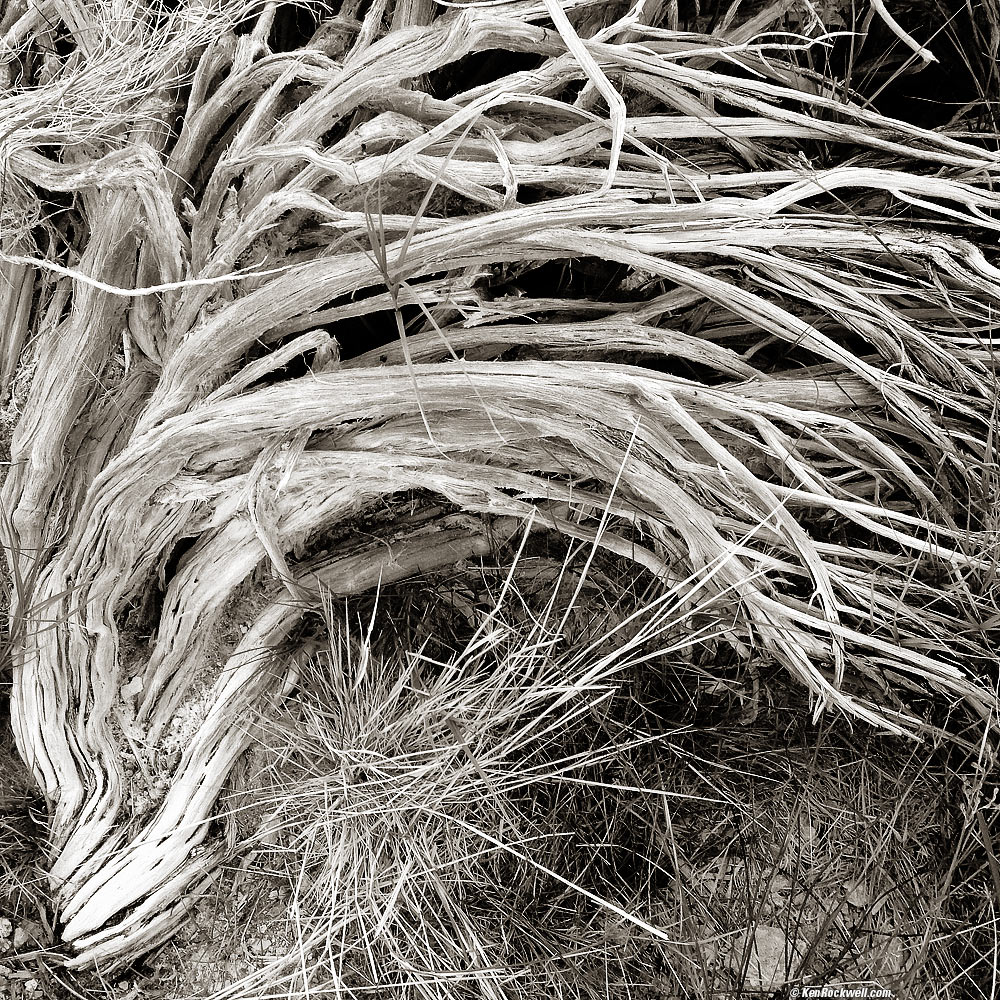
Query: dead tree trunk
[750,392]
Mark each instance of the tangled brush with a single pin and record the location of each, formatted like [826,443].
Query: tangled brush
[282,320]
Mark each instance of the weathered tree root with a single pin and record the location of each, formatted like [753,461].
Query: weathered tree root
[186,436]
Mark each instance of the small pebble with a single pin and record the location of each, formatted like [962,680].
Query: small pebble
[28,933]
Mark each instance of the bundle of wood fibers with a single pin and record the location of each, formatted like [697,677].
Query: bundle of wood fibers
[451,270]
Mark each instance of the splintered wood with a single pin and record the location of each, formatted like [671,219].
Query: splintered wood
[249,296]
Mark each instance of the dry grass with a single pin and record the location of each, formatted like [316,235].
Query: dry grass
[288,313]
[537,817]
